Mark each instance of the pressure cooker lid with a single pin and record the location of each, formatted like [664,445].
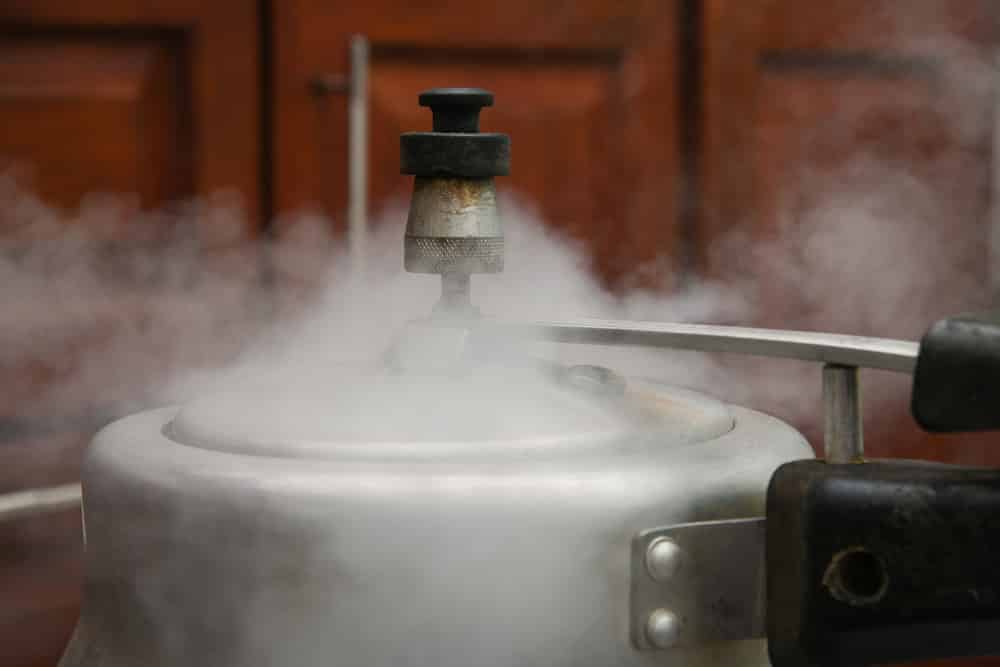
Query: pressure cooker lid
[492,411]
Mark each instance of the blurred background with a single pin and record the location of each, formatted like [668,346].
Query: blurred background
[832,163]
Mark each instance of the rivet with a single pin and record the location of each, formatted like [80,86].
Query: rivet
[663,558]
[663,628]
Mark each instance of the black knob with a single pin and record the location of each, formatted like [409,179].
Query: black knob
[456,109]
[456,147]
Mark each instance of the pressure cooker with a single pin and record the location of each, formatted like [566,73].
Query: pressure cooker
[460,502]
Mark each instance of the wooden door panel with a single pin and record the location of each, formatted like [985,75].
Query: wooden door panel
[876,74]
[824,122]
[201,89]
[586,91]
[158,100]
[817,130]
[879,26]
[85,116]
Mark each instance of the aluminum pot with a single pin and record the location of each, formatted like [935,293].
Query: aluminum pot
[405,518]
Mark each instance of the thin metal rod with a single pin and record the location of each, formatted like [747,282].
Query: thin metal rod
[20,504]
[357,187]
[843,435]
[881,353]
[994,224]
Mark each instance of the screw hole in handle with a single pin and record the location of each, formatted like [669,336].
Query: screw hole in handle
[856,576]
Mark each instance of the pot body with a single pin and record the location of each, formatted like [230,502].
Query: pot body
[202,556]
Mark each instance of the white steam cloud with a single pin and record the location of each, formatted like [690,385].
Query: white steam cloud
[882,244]
[165,318]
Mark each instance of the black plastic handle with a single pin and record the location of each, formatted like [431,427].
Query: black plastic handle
[882,562]
[956,384]
[895,561]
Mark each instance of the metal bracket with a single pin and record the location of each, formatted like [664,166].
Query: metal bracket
[697,583]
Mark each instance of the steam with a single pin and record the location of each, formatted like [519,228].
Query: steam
[881,244]
[165,316]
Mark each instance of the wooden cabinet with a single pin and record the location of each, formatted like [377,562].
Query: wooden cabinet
[69,101]
[848,147]
[791,89]
[158,98]
[587,90]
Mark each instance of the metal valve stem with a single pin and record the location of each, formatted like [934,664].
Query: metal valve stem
[456,294]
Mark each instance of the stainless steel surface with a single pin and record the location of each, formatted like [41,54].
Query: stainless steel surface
[493,415]
[457,506]
[297,533]
[453,227]
[21,504]
[843,435]
[663,628]
[716,591]
[663,558]
[880,353]
[357,187]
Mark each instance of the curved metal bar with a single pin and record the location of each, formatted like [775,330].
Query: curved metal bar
[20,504]
[881,353]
